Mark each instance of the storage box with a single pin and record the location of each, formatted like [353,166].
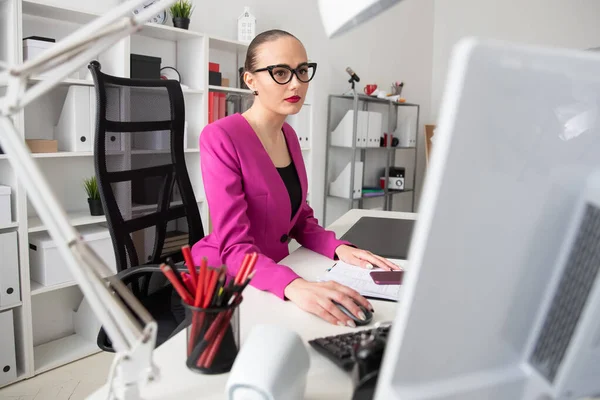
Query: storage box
[47,266]
[5,210]
[10,292]
[225,82]
[144,67]
[214,67]
[214,78]
[42,145]
[33,46]
[8,362]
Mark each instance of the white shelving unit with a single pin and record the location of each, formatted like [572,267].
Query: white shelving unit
[47,333]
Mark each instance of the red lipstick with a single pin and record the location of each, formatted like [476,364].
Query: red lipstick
[293,99]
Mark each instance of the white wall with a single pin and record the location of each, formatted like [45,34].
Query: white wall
[393,46]
[561,23]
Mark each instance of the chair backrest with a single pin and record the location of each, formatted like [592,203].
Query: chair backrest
[139,158]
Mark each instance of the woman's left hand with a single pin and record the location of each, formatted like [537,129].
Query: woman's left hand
[363,258]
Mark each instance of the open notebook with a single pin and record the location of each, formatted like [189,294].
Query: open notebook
[359,279]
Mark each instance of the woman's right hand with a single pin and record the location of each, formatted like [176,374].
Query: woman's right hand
[317,298]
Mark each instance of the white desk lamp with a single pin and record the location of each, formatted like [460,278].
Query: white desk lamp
[341,16]
[132,342]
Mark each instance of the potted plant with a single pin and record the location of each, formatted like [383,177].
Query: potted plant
[181,11]
[91,188]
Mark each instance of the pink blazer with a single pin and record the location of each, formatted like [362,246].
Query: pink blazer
[250,205]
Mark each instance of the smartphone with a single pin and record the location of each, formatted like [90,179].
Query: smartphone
[387,277]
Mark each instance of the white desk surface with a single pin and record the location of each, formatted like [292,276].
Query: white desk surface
[325,379]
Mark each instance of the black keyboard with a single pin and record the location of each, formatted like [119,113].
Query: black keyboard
[339,348]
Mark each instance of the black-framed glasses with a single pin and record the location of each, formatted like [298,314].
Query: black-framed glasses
[283,74]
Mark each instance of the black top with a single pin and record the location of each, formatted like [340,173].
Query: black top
[292,183]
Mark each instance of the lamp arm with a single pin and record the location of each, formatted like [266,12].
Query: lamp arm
[115,306]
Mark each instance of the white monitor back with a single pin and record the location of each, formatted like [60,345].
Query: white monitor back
[518,135]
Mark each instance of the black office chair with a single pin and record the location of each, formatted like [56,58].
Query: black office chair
[141,112]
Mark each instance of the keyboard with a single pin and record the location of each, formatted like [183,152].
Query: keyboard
[339,348]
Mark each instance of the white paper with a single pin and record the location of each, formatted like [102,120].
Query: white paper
[360,280]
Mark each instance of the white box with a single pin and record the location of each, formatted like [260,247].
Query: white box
[10,292]
[47,266]
[8,362]
[407,132]
[113,141]
[5,210]
[32,48]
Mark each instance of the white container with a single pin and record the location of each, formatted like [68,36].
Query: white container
[47,266]
[32,48]
[5,211]
[10,292]
[8,364]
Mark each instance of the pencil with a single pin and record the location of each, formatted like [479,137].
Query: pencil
[211,288]
[187,256]
[249,268]
[172,277]
[241,271]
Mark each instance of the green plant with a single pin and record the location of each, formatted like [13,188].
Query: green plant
[91,188]
[182,9]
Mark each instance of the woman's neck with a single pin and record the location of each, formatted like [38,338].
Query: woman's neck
[266,123]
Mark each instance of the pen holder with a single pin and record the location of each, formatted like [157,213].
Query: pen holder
[213,338]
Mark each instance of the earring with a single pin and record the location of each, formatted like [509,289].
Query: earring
[255,93]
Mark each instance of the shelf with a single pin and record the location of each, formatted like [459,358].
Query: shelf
[370,99]
[59,13]
[68,81]
[62,154]
[20,303]
[373,148]
[166,32]
[305,148]
[38,288]
[191,151]
[163,91]
[228,89]
[3,157]
[78,218]
[145,151]
[62,351]
[12,225]
[390,193]
[151,207]
[218,43]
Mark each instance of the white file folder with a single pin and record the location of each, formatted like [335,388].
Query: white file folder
[342,134]
[340,187]
[8,364]
[10,292]
[73,131]
[375,128]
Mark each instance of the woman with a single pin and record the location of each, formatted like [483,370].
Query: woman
[255,182]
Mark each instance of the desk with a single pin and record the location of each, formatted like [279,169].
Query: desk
[325,380]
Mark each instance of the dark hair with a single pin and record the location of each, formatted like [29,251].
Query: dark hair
[261,38]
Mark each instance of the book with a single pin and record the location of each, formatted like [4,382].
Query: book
[360,280]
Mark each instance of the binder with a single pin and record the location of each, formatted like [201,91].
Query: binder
[222,105]
[211,101]
[74,129]
[375,129]
[8,363]
[10,292]
[340,187]
[362,128]
[216,106]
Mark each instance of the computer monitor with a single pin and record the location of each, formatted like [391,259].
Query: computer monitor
[502,292]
